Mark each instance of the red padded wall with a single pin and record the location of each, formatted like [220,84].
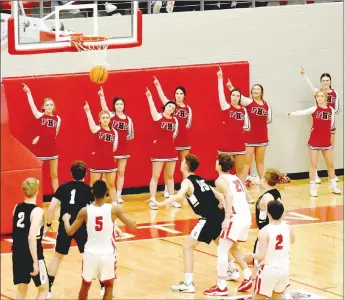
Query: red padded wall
[70,91]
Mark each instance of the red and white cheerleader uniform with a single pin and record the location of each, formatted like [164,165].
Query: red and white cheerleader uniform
[125,130]
[163,146]
[184,117]
[333,101]
[323,121]
[259,116]
[104,144]
[49,126]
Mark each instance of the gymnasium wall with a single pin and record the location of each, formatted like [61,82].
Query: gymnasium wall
[275,41]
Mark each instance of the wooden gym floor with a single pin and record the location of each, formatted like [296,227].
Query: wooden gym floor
[151,259]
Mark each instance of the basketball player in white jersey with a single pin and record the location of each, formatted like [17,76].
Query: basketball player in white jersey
[274,253]
[98,259]
[235,226]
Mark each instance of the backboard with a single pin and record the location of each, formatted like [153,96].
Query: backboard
[51,31]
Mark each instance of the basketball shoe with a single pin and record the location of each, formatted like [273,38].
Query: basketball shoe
[183,287]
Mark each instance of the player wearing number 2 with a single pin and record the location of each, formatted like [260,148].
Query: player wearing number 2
[203,200]
[98,260]
[72,196]
[235,226]
[274,254]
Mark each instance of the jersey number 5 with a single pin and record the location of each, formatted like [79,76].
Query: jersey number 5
[99,223]
[279,240]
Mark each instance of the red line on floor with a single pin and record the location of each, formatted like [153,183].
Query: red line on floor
[2,295]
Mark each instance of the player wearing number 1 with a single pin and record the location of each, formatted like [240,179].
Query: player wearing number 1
[98,259]
[275,240]
[72,196]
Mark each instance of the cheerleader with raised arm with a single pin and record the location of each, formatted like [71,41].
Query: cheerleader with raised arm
[183,113]
[163,153]
[123,124]
[332,101]
[45,140]
[320,139]
[105,143]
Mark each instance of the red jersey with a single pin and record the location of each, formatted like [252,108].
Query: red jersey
[48,128]
[125,130]
[105,142]
[163,147]
[259,117]
[184,117]
[235,122]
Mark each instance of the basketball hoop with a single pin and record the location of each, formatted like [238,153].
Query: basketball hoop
[93,46]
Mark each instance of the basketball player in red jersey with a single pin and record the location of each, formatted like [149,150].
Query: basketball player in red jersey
[183,113]
[234,125]
[163,148]
[98,258]
[320,139]
[123,124]
[260,114]
[45,140]
[332,100]
[104,145]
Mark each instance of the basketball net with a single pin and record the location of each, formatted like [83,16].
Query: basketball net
[95,50]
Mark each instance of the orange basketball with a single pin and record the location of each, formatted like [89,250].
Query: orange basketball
[98,74]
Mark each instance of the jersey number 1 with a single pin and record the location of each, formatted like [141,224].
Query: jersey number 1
[71,201]
[99,223]
[279,240]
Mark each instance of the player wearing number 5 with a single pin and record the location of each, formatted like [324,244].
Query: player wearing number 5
[98,260]
[274,253]
[72,196]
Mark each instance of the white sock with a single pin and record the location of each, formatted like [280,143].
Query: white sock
[247,274]
[118,193]
[166,188]
[221,283]
[188,278]
[223,257]
[316,175]
[333,182]
[152,198]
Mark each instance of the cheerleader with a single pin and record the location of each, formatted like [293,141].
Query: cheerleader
[45,141]
[183,113]
[233,127]
[332,100]
[163,148]
[259,114]
[105,142]
[320,139]
[123,124]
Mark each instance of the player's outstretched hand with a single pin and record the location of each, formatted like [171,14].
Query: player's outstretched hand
[225,224]
[35,269]
[221,205]
[220,73]
[86,107]
[26,88]
[302,71]
[148,93]
[35,140]
[100,92]
[66,217]
[155,81]
[118,231]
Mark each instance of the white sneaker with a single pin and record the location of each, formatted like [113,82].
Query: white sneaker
[313,189]
[166,194]
[170,6]
[120,200]
[183,287]
[233,275]
[336,179]
[335,190]
[317,180]
[254,179]
[109,8]
[50,295]
[176,205]
[157,5]
[153,205]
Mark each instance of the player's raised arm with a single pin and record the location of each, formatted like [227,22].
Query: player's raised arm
[181,194]
[163,98]
[307,80]
[154,113]
[36,219]
[304,112]
[223,187]
[33,107]
[246,124]
[81,218]
[224,105]
[103,102]
[93,127]
[117,212]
